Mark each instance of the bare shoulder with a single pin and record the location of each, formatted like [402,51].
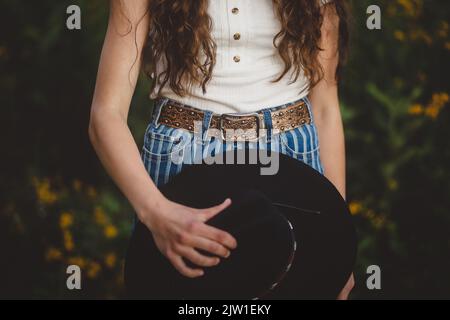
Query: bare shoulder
[125,12]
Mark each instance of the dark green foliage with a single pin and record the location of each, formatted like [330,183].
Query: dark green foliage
[57,206]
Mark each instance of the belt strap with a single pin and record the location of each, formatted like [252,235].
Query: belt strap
[235,126]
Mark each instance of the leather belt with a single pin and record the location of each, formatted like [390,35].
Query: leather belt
[235,126]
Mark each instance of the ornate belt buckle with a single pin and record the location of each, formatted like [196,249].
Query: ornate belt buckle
[259,123]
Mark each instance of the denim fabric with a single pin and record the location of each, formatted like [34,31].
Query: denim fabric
[167,150]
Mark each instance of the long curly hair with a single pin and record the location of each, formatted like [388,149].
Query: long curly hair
[180,33]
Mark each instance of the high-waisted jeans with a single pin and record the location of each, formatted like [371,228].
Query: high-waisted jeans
[167,150]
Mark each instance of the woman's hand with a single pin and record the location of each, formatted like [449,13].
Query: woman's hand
[179,231]
[343,295]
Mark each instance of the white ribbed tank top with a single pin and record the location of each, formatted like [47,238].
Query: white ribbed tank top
[246,61]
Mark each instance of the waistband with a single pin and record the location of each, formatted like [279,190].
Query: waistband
[233,126]
[161,101]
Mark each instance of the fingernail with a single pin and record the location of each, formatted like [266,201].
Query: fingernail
[228,254]
[217,261]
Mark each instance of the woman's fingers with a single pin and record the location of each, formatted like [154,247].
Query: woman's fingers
[206,214]
[193,237]
[182,268]
[199,228]
[208,246]
[195,234]
[195,257]
[217,235]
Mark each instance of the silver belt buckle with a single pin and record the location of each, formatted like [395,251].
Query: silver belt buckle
[259,123]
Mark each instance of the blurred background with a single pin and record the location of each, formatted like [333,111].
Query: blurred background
[58,207]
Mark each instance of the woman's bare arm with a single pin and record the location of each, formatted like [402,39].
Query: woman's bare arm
[178,230]
[116,80]
[325,101]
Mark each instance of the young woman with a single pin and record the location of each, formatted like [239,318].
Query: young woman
[216,62]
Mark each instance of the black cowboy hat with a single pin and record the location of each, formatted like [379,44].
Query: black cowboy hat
[294,232]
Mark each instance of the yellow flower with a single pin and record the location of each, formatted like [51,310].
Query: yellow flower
[433,108]
[93,269]
[355,207]
[43,191]
[440,98]
[411,7]
[65,220]
[100,216]
[407,5]
[416,109]
[399,35]
[78,261]
[68,240]
[110,260]
[53,254]
[438,101]
[432,111]
[110,231]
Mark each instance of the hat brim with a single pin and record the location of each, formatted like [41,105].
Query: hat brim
[325,235]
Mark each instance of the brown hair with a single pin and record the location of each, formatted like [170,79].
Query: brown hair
[180,33]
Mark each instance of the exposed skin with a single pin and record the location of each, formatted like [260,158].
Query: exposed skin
[178,230]
[325,101]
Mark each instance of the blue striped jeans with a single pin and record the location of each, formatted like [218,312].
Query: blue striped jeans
[167,150]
